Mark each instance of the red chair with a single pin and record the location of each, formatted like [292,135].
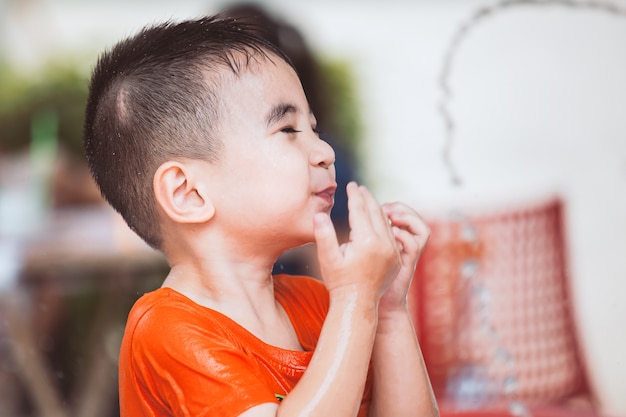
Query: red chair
[493,315]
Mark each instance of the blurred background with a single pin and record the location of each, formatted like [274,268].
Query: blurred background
[502,122]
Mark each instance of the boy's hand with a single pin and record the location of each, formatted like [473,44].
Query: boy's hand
[370,260]
[411,233]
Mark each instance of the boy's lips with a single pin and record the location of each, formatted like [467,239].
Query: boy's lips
[328,194]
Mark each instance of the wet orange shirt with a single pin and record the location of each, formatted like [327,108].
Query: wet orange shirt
[181,359]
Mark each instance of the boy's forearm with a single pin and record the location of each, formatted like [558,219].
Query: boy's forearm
[356,275]
[401,386]
[335,378]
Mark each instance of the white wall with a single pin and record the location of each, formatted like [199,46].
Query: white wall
[539,102]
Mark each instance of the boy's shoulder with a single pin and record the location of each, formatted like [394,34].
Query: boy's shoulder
[165,312]
[167,330]
[165,323]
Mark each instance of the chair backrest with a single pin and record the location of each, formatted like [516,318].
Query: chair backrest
[491,306]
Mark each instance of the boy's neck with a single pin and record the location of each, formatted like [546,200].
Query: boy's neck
[217,278]
[246,296]
[232,275]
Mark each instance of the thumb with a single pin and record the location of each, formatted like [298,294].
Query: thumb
[326,239]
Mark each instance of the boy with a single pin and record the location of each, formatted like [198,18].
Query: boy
[200,135]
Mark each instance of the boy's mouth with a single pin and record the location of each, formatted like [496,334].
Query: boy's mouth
[328,194]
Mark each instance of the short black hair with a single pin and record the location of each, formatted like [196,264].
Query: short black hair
[156,96]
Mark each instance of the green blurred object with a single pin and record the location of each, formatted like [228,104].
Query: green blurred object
[61,90]
[43,154]
[344,116]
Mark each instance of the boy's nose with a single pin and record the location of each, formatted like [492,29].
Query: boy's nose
[322,154]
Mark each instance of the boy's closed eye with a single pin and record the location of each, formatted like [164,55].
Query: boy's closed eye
[291,130]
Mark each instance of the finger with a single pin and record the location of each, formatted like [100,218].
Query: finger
[405,217]
[358,216]
[409,243]
[326,239]
[378,218]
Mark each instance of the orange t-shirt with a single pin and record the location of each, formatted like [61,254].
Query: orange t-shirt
[182,359]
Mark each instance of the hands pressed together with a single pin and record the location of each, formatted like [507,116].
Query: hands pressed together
[380,257]
[368,325]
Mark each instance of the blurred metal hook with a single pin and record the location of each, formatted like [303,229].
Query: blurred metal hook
[479,15]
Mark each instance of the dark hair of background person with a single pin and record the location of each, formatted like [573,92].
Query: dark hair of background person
[292,43]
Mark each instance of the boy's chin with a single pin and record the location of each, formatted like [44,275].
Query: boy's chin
[303,240]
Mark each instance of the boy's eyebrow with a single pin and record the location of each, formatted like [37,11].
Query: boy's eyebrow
[279,111]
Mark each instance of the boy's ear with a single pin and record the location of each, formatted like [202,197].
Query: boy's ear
[180,193]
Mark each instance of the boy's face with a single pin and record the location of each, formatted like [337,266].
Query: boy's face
[275,173]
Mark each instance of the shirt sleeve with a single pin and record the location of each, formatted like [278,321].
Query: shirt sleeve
[188,369]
